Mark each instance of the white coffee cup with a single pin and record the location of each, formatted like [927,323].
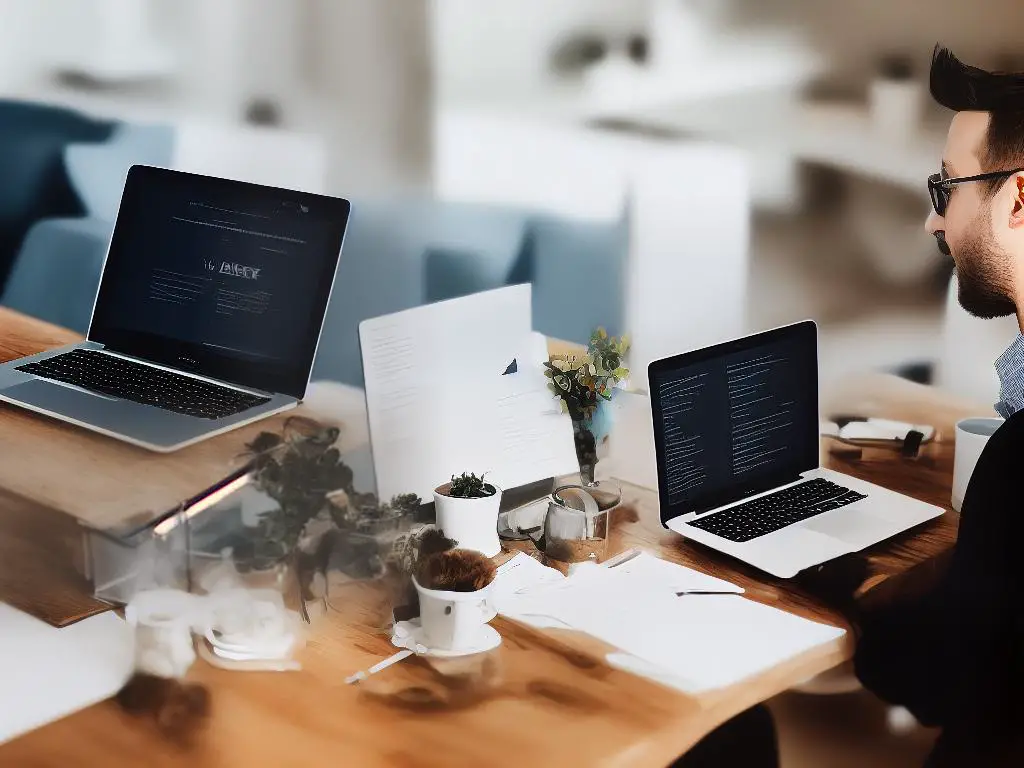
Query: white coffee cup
[452,621]
[971,438]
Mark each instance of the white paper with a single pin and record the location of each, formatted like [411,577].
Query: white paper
[518,576]
[438,404]
[695,642]
[650,572]
[48,673]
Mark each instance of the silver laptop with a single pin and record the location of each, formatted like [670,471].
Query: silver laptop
[208,314]
[736,429]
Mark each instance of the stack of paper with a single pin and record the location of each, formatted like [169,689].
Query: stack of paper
[696,642]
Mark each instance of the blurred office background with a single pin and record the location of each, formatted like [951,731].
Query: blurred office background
[797,134]
[681,169]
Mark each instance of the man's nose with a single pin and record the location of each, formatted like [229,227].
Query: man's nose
[934,223]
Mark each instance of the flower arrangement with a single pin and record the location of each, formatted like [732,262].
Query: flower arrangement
[582,382]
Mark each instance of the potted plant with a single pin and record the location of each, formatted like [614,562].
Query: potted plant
[319,518]
[584,384]
[467,511]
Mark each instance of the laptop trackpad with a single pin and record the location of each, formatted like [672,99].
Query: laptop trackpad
[93,410]
[853,526]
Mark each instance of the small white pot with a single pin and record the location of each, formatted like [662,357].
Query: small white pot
[472,523]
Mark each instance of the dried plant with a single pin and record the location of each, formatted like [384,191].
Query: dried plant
[456,570]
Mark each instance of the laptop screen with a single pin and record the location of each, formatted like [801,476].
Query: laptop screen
[735,419]
[221,278]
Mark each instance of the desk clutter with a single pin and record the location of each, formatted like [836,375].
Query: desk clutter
[232,579]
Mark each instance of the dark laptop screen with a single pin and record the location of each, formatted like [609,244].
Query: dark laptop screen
[735,419]
[222,278]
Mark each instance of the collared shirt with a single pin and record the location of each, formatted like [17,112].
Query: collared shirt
[1010,369]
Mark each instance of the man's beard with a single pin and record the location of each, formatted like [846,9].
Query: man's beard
[983,274]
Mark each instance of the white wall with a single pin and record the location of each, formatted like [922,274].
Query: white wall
[16,55]
[488,48]
[854,35]
[374,68]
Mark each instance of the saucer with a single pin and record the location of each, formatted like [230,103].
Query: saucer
[408,634]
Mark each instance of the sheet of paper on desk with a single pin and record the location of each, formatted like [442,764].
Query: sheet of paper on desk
[697,642]
[652,572]
[440,402]
[48,673]
[520,575]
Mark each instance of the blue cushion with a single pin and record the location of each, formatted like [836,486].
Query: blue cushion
[451,273]
[98,171]
[34,183]
[57,272]
[578,271]
[383,266]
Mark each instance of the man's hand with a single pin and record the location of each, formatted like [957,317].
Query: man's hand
[836,582]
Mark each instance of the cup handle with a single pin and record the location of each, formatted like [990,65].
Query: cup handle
[590,510]
[488,610]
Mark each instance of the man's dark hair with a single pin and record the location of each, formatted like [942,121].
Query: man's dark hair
[964,88]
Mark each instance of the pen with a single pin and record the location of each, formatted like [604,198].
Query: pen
[707,592]
[360,676]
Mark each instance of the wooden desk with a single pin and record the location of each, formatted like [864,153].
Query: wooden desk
[543,698]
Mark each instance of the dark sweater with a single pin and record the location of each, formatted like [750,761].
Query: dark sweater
[955,657]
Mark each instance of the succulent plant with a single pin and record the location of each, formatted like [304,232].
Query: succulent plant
[469,486]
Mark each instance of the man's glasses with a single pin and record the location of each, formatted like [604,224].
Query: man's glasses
[939,189]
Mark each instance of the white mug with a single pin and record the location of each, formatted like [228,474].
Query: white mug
[971,438]
[452,621]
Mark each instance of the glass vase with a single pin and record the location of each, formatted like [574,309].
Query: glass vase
[606,493]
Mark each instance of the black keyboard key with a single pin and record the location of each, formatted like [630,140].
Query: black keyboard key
[111,375]
[775,511]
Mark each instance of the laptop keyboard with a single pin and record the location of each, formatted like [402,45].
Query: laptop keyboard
[775,511]
[117,377]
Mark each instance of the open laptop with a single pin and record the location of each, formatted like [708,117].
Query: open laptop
[208,315]
[736,430]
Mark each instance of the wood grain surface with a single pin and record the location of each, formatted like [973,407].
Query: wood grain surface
[40,563]
[542,698]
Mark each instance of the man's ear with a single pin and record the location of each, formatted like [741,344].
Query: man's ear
[1017,213]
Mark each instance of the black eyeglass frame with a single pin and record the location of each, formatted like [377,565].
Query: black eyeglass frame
[939,188]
